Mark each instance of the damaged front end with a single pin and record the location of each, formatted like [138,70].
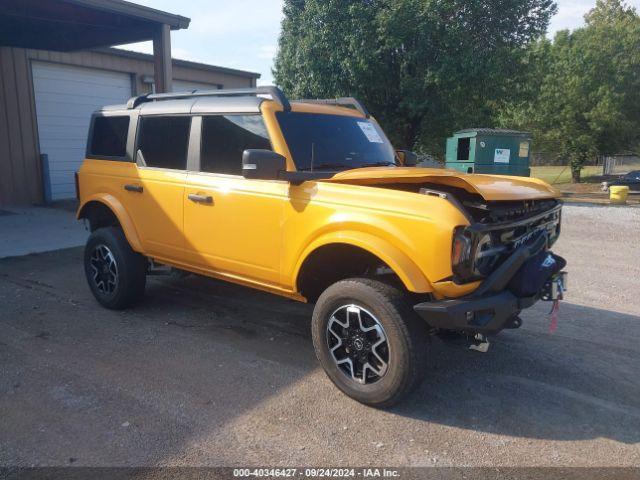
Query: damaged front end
[512,224]
[496,231]
[506,247]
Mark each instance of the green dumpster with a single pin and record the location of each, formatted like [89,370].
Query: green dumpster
[487,150]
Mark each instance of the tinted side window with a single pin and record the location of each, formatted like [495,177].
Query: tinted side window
[164,140]
[224,138]
[109,137]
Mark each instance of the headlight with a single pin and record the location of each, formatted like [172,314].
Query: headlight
[461,252]
[473,256]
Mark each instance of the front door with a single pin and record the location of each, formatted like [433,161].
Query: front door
[233,225]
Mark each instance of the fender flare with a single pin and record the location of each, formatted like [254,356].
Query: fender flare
[113,204]
[408,272]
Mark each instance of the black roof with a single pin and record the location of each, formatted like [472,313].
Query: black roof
[493,131]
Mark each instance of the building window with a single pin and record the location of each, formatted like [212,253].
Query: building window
[163,141]
[109,138]
[224,138]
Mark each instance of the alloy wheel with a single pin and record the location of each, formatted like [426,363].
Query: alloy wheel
[104,269]
[358,344]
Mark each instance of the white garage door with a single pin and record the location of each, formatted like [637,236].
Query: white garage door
[66,96]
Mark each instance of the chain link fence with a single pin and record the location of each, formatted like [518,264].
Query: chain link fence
[555,170]
[619,164]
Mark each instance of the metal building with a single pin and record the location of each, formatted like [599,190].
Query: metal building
[56,69]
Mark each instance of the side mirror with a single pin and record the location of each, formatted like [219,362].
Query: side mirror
[262,164]
[407,158]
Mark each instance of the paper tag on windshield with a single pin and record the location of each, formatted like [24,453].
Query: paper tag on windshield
[370,132]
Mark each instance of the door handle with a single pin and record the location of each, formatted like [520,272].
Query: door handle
[194,197]
[134,188]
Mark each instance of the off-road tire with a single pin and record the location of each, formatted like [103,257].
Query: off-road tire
[406,335]
[131,268]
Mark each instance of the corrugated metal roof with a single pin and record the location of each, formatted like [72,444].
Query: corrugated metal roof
[493,131]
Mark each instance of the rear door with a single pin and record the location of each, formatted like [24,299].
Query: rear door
[233,225]
[154,196]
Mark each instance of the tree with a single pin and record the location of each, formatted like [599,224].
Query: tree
[423,67]
[582,96]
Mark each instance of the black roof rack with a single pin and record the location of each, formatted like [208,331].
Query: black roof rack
[274,92]
[343,102]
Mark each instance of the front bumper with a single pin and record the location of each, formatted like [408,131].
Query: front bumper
[488,314]
[491,307]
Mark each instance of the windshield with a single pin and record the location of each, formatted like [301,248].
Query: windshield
[334,142]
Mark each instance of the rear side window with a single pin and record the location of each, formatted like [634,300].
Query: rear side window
[224,138]
[109,137]
[163,141]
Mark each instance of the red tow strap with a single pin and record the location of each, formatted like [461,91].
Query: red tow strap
[553,315]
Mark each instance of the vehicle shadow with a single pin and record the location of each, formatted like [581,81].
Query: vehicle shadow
[581,382]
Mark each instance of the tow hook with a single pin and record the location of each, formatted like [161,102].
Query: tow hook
[553,291]
[479,343]
[555,287]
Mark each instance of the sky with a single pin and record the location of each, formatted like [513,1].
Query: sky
[243,34]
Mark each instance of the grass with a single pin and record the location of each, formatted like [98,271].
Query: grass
[562,174]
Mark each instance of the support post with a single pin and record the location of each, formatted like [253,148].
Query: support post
[163,72]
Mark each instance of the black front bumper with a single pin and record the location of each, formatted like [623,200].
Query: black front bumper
[488,314]
[491,307]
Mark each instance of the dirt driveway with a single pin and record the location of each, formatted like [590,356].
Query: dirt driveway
[204,373]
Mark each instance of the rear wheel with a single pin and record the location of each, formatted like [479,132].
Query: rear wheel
[369,341]
[115,273]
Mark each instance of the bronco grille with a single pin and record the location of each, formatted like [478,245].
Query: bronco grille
[496,212]
[498,229]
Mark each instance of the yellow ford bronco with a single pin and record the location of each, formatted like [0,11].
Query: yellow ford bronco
[308,199]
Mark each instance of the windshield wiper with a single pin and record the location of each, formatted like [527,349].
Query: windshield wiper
[324,166]
[377,164]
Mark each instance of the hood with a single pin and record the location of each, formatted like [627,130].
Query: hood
[490,187]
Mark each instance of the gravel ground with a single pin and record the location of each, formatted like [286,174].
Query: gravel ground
[205,373]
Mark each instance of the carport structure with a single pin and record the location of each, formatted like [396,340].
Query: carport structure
[58,29]
[68,25]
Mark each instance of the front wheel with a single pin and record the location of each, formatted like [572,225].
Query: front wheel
[369,341]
